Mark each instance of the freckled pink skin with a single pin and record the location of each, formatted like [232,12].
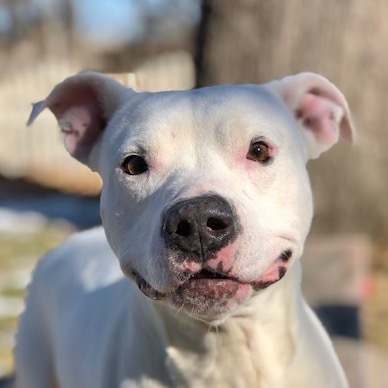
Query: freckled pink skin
[272,274]
[224,259]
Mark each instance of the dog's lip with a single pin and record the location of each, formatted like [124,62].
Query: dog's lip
[282,262]
[207,279]
[199,277]
[217,277]
[146,288]
[208,275]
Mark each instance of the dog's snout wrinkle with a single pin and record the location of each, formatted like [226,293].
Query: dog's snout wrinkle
[202,225]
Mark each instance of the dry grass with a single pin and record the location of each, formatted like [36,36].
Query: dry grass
[18,256]
[375,309]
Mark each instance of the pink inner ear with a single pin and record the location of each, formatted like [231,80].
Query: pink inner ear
[321,116]
[80,117]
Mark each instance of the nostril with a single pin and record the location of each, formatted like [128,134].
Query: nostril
[215,224]
[183,228]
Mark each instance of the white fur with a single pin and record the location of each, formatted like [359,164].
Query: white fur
[86,325]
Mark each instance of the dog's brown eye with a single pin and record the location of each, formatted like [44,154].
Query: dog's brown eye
[259,152]
[134,165]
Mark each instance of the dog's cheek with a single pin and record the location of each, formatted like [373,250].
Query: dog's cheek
[291,192]
[116,221]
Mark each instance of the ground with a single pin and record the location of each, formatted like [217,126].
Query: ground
[18,256]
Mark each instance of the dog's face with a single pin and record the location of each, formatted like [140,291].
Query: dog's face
[206,199]
[205,196]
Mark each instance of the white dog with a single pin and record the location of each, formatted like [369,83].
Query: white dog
[206,203]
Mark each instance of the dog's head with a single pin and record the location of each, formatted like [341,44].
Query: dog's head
[206,198]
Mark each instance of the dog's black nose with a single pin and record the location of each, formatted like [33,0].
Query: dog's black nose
[202,225]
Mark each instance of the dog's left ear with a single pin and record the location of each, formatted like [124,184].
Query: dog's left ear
[319,108]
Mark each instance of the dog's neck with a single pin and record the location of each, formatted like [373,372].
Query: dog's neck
[268,321]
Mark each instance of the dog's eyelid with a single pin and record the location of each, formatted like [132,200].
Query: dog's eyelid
[125,156]
[263,139]
[135,150]
[271,144]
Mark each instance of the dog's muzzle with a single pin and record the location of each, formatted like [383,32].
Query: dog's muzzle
[200,225]
[199,234]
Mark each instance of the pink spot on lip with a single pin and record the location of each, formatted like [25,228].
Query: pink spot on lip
[271,274]
[223,260]
[274,273]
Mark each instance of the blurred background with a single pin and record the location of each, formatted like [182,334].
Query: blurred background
[179,44]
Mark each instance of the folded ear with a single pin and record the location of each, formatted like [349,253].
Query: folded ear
[319,108]
[83,104]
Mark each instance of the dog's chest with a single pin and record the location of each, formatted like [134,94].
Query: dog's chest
[236,356]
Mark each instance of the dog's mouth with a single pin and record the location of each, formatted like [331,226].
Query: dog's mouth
[207,274]
[209,292]
[194,279]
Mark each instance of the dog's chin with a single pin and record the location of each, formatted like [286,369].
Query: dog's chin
[208,298]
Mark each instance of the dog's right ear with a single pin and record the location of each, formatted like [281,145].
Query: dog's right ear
[82,105]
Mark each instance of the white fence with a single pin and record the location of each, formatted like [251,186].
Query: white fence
[36,152]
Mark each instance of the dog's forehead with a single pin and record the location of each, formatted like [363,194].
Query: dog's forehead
[205,107]
[222,115]
[210,99]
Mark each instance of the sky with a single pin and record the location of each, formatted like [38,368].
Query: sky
[119,20]
[109,19]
